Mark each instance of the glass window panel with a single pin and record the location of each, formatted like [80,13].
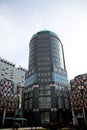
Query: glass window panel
[44,102]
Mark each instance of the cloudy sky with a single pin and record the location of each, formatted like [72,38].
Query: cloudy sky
[20,19]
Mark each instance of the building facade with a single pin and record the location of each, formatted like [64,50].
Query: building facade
[9,71]
[78,94]
[12,81]
[8,103]
[46,83]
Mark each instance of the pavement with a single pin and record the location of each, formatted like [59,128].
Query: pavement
[39,128]
[71,128]
[29,128]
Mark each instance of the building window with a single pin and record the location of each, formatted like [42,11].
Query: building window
[30,103]
[44,92]
[44,102]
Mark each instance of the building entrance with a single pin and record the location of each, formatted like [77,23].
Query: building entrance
[45,117]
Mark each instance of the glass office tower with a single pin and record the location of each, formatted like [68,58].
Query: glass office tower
[46,82]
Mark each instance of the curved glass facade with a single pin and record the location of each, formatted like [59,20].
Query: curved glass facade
[46,59]
[57,52]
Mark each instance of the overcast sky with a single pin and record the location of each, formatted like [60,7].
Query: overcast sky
[20,19]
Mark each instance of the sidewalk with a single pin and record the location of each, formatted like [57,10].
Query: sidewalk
[70,129]
[39,128]
[25,128]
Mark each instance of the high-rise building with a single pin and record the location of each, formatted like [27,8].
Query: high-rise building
[10,72]
[46,82]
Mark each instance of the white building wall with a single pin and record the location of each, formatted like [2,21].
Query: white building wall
[9,71]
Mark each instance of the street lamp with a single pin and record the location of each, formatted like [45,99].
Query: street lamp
[81,88]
